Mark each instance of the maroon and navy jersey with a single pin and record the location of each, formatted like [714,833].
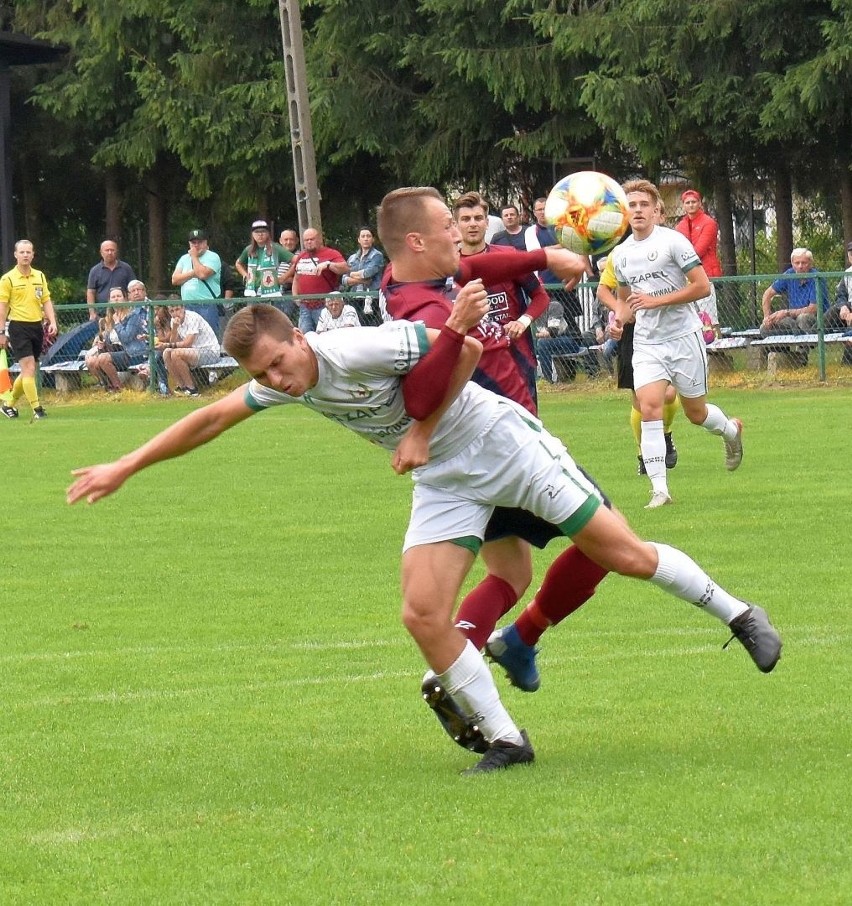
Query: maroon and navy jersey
[431,301]
[508,300]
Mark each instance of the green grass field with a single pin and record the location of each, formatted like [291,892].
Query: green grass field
[207,695]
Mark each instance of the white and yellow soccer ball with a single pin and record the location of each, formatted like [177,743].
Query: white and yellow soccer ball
[588,212]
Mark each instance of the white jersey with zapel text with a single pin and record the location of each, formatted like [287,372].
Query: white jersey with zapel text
[359,388]
[658,265]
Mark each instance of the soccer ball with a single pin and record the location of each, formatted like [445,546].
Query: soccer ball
[588,212]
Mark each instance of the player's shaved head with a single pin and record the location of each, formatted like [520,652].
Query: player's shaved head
[401,212]
[252,322]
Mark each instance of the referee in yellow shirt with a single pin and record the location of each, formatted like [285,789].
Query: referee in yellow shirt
[25,298]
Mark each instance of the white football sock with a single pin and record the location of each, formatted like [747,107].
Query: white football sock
[719,423]
[468,680]
[681,576]
[653,446]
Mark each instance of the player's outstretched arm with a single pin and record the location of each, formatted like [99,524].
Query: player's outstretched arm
[195,429]
[569,267]
[413,448]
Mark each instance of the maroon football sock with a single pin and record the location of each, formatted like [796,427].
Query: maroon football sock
[568,583]
[483,607]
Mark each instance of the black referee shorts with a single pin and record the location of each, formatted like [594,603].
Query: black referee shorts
[25,338]
[624,359]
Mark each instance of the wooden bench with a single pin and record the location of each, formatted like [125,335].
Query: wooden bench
[66,375]
[719,356]
[791,350]
[203,374]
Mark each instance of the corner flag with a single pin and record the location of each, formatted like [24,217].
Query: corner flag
[5,377]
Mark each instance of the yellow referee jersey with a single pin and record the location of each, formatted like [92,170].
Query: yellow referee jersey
[24,295]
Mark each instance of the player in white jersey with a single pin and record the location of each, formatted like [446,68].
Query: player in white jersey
[660,279]
[355,378]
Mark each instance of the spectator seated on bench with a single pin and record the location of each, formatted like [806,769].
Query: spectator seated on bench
[191,343]
[122,341]
[558,343]
[803,294]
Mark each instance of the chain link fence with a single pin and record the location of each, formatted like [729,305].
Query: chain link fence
[740,354]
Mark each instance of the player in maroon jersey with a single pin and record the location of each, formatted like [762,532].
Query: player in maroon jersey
[572,577]
[515,303]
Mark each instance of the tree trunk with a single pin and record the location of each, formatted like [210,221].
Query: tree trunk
[725,217]
[114,205]
[783,215]
[845,180]
[158,282]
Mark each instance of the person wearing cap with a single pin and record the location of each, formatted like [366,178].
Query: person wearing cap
[110,271]
[702,231]
[198,274]
[262,265]
[315,270]
[336,314]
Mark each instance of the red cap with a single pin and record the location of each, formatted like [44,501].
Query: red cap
[690,193]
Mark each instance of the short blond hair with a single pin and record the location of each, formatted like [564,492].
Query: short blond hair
[643,185]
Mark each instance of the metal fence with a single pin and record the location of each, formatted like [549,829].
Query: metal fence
[826,352]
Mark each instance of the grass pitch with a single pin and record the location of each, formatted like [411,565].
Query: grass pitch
[208,697]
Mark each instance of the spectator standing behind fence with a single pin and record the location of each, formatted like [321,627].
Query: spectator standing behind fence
[366,266]
[263,263]
[198,274]
[289,239]
[315,270]
[802,296]
[538,236]
[110,271]
[122,342]
[703,232]
[513,232]
[25,299]
[336,314]
[191,343]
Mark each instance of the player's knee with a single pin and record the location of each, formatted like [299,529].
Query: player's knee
[637,560]
[423,620]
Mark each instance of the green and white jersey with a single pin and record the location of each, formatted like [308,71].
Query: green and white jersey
[359,387]
[658,265]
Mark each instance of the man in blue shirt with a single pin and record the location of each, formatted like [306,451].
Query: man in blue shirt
[109,272]
[802,295]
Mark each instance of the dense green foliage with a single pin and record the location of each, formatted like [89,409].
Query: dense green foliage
[171,113]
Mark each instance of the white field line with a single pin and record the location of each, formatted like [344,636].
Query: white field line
[817,636]
[145,694]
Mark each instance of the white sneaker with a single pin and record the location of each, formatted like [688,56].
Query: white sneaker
[658,498]
[734,448]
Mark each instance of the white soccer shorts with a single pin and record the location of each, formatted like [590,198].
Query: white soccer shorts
[515,462]
[681,362]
